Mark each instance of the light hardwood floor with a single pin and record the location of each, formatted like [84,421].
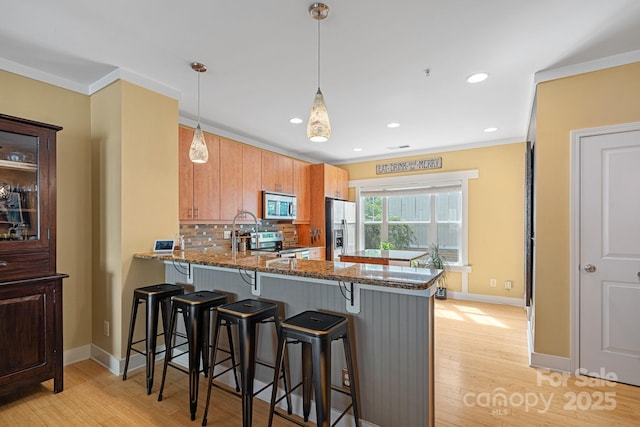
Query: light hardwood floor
[481,355]
[481,352]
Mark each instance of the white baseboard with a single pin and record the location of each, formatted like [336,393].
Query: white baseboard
[77,354]
[491,299]
[551,362]
[115,365]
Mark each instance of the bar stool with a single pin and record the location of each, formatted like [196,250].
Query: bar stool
[155,297]
[316,330]
[248,314]
[196,308]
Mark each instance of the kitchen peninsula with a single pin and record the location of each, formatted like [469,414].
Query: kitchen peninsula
[391,308]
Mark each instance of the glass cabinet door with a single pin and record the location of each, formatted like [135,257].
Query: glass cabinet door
[20,183]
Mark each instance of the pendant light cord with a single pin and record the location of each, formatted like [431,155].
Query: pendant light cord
[319,53]
[199,97]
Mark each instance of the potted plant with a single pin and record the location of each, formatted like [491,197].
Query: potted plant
[385,247]
[436,260]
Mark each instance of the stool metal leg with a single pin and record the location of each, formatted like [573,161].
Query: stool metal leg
[168,353]
[352,376]
[282,345]
[132,323]
[212,365]
[321,350]
[307,380]
[247,369]
[195,347]
[151,323]
[233,355]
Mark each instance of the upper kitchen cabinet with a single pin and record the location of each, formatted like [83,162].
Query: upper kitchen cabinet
[277,173]
[199,184]
[334,181]
[302,190]
[252,179]
[240,179]
[231,171]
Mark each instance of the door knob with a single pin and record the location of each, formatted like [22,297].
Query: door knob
[589,268]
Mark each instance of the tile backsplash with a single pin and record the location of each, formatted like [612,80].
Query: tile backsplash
[210,237]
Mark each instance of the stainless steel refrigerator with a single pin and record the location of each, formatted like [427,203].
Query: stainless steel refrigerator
[340,218]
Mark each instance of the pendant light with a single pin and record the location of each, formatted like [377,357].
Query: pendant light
[198,152]
[318,127]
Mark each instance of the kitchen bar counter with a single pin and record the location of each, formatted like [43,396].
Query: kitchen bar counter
[392,310]
[384,257]
[351,272]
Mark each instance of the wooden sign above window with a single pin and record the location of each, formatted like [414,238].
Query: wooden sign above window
[409,166]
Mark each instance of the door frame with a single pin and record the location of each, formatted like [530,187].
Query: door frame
[574,212]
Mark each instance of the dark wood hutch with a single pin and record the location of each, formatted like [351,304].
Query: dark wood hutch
[30,288]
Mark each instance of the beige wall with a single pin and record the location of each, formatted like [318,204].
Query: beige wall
[588,100]
[135,199]
[496,213]
[23,97]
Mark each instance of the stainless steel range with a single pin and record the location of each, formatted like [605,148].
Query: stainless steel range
[272,241]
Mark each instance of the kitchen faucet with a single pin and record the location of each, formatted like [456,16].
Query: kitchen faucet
[234,240]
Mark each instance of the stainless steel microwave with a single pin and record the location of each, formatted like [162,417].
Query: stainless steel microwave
[278,206]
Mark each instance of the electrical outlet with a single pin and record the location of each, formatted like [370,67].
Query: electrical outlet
[507,284]
[227,234]
[105,328]
[493,283]
[345,378]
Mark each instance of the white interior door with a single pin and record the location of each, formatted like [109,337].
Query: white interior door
[609,278]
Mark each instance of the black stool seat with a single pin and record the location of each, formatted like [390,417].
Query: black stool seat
[154,296]
[314,322]
[315,331]
[196,308]
[247,314]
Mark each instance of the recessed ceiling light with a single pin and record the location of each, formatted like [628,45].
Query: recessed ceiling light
[357,149]
[477,77]
[491,129]
[295,120]
[393,125]
[398,147]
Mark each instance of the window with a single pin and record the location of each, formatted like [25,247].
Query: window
[414,218]
[414,212]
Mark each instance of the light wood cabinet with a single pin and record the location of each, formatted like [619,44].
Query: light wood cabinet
[199,184]
[330,180]
[252,179]
[277,173]
[302,190]
[30,289]
[326,181]
[233,179]
[231,171]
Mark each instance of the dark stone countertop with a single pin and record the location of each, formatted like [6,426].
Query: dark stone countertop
[369,274]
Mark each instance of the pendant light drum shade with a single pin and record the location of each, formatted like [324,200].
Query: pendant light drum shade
[319,127]
[198,152]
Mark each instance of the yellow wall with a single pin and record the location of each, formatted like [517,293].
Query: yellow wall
[135,198]
[496,213]
[23,97]
[150,187]
[588,100]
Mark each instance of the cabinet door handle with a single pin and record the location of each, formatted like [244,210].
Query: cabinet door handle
[4,264]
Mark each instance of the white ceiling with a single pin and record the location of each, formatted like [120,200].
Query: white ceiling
[262,62]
